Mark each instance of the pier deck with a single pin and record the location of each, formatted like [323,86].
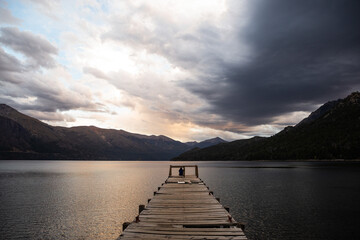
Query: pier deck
[183,208]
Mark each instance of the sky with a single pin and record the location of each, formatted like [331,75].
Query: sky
[190,69]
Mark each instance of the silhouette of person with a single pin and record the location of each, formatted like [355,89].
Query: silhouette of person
[181,172]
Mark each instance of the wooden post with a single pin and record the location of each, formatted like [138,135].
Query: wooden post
[154,193]
[125,225]
[170,171]
[197,171]
[141,208]
[184,170]
[149,199]
[211,192]
[218,199]
[241,225]
[227,209]
[158,188]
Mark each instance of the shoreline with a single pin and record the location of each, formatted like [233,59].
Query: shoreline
[176,161]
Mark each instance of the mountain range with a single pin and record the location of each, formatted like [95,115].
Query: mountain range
[24,137]
[206,143]
[330,132]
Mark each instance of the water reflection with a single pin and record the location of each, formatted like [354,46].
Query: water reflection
[73,200]
[91,199]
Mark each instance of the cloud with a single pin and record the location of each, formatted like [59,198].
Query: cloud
[198,51]
[46,4]
[37,95]
[303,53]
[36,48]
[9,63]
[187,37]
[254,61]
[10,68]
[50,116]
[50,9]
[7,18]
[95,72]
[55,96]
[46,92]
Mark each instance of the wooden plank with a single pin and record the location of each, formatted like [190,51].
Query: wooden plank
[128,236]
[182,233]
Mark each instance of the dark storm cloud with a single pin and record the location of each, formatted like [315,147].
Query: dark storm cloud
[262,60]
[303,53]
[37,49]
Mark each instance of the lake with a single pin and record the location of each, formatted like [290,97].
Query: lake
[91,199]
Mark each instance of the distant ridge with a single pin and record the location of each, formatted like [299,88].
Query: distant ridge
[24,137]
[330,132]
[206,143]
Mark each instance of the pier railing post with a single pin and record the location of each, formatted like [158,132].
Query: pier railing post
[125,225]
[170,171]
[141,208]
[196,171]
[241,225]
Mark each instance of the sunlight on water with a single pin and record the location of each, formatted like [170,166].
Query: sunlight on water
[74,200]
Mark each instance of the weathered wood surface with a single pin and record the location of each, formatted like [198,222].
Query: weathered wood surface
[184,211]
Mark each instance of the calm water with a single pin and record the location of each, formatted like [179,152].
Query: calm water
[91,200]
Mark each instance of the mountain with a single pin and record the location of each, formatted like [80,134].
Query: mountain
[192,144]
[24,137]
[206,143]
[331,132]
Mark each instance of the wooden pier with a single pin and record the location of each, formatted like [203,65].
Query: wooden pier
[183,208]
